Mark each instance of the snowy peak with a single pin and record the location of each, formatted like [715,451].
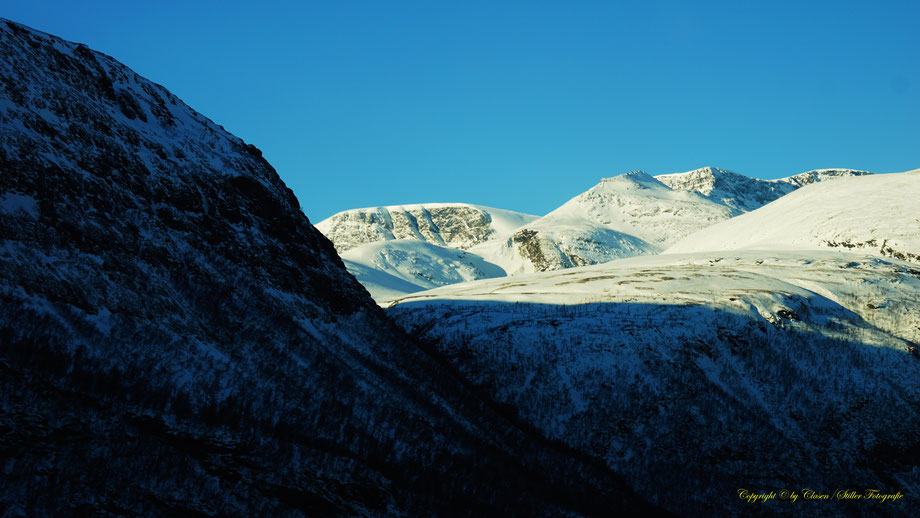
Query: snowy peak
[638,177]
[642,206]
[452,225]
[626,215]
[634,181]
[622,216]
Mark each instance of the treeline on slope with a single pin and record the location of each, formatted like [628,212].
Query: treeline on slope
[691,403]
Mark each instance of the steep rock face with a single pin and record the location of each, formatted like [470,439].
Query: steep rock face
[737,191]
[453,225]
[177,339]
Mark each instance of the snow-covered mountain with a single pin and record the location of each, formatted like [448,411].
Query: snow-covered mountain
[452,225]
[743,193]
[176,339]
[699,374]
[876,214]
[392,268]
[623,216]
[401,249]
[627,215]
[560,243]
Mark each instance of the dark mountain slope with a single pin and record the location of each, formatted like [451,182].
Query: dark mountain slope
[177,339]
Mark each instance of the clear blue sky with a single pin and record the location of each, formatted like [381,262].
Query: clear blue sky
[523,105]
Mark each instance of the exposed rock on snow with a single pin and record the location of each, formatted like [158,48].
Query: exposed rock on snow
[742,193]
[453,225]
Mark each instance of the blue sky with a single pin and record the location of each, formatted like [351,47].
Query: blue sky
[522,105]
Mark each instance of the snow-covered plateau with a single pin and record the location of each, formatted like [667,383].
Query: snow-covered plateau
[698,374]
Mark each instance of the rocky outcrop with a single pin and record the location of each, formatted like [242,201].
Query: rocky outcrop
[742,193]
[453,225]
[821,175]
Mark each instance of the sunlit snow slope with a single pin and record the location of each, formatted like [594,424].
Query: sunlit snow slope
[623,216]
[627,215]
[877,214]
[392,268]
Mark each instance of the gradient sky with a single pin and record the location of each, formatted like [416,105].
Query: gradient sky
[523,105]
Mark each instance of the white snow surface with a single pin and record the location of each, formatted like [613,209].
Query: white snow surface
[623,216]
[392,268]
[380,284]
[877,214]
[749,282]
[639,205]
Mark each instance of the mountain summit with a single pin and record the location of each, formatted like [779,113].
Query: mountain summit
[622,216]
